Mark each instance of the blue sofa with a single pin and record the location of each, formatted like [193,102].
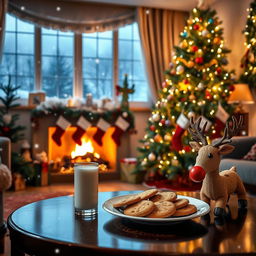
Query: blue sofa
[245,168]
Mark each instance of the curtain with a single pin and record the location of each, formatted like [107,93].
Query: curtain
[80,17]
[3,8]
[159,33]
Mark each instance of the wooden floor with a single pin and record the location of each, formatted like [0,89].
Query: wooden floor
[103,186]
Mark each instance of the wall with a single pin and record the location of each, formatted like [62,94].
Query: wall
[233,13]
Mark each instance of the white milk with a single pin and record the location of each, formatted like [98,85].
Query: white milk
[86,186]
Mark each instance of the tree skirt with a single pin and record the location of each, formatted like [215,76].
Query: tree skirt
[13,201]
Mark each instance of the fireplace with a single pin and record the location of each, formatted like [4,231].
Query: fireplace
[108,153]
[88,151]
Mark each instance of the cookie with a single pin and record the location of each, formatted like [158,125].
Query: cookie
[187,210]
[180,203]
[127,201]
[148,193]
[140,209]
[162,209]
[164,196]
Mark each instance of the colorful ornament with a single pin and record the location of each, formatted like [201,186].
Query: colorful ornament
[167,122]
[184,34]
[192,97]
[184,44]
[199,60]
[190,64]
[231,87]
[205,33]
[7,118]
[156,117]
[194,48]
[171,65]
[211,21]
[169,97]
[216,40]
[191,114]
[152,128]
[152,157]
[158,138]
[162,121]
[196,27]
[180,69]
[164,84]
[218,70]
[167,137]
[200,86]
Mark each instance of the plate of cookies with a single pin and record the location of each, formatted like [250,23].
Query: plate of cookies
[156,206]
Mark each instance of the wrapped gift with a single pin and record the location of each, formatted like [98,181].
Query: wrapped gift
[127,171]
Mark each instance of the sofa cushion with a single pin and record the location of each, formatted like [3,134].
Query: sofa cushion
[251,155]
[245,169]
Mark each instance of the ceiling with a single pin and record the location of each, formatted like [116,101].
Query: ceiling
[185,5]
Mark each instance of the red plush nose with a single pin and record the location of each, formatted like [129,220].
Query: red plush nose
[197,173]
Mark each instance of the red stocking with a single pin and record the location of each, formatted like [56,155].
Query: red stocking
[82,125]
[116,136]
[182,125]
[102,126]
[218,127]
[61,125]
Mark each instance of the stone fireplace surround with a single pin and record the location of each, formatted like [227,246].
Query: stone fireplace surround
[40,143]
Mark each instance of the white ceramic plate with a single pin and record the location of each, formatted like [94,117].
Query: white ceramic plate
[202,209]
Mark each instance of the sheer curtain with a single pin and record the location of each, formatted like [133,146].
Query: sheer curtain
[159,33]
[3,9]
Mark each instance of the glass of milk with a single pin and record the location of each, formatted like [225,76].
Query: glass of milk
[86,188]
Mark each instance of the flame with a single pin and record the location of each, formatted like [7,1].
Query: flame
[86,147]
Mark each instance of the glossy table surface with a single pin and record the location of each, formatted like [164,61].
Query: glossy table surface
[49,227]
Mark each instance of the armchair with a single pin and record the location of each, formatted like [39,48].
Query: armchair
[5,153]
[245,168]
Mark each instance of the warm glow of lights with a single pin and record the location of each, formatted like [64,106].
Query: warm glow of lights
[86,147]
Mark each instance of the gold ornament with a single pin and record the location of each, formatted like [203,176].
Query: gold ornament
[184,44]
[192,97]
[158,138]
[190,64]
[167,137]
[216,40]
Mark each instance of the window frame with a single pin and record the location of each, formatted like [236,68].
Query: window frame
[78,66]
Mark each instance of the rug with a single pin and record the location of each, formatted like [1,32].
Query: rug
[13,201]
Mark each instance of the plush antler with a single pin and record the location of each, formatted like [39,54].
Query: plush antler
[229,131]
[196,132]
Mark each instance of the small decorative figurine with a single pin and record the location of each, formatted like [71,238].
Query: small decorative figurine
[216,185]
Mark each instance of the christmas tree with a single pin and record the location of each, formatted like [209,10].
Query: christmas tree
[197,84]
[248,61]
[9,127]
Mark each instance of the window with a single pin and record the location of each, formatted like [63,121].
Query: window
[98,64]
[57,63]
[18,55]
[130,61]
[44,59]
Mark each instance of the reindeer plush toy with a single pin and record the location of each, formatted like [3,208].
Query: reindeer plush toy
[216,185]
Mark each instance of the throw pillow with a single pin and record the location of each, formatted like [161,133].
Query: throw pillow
[251,155]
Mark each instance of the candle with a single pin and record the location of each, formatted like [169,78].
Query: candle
[86,188]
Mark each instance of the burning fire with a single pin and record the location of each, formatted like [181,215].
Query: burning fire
[86,147]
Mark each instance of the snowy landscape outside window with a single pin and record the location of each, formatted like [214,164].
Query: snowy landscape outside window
[44,59]
[18,55]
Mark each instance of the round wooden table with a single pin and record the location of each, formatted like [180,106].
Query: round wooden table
[49,227]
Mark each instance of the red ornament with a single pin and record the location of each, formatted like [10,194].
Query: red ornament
[231,88]
[196,27]
[199,60]
[186,81]
[187,148]
[194,48]
[208,95]
[197,174]
[152,128]
[218,70]
[6,129]
[164,84]
[183,99]
[162,121]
